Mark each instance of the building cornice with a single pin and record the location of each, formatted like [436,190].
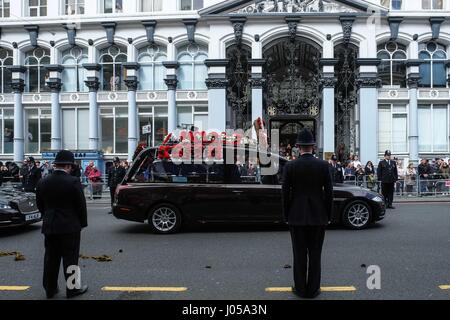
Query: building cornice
[131,65]
[328,61]
[17,68]
[99,19]
[54,67]
[368,61]
[413,62]
[256,62]
[171,64]
[217,62]
[92,66]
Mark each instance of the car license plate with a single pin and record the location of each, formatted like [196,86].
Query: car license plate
[34,216]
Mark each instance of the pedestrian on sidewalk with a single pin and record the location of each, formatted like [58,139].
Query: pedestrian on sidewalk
[61,201]
[369,171]
[307,207]
[95,183]
[336,171]
[410,178]
[400,184]
[31,176]
[424,170]
[388,175]
[116,173]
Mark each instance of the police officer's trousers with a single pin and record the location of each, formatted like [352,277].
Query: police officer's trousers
[387,190]
[307,242]
[65,247]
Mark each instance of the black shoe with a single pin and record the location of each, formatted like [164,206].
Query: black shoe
[297,293]
[52,293]
[110,212]
[314,295]
[391,207]
[77,292]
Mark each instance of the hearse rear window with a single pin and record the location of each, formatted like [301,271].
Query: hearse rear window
[166,171]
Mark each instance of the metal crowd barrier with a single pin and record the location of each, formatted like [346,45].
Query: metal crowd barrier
[95,190]
[435,186]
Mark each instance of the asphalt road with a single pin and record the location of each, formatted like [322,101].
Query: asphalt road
[411,247]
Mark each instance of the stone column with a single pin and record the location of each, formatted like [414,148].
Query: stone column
[18,85]
[217,94]
[368,85]
[93,84]
[413,137]
[54,83]
[172,83]
[132,83]
[413,65]
[328,83]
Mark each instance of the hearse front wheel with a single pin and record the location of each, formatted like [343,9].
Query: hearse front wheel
[165,219]
[357,215]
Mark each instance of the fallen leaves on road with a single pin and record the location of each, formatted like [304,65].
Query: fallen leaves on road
[17,254]
[102,258]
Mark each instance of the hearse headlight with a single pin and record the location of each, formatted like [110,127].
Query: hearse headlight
[5,206]
[377,199]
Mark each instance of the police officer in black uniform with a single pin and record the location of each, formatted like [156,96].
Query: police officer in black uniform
[60,199]
[116,173]
[337,174]
[307,191]
[31,176]
[387,174]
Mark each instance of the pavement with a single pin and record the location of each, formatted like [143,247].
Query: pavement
[410,248]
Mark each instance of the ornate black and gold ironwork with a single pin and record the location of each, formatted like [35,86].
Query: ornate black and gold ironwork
[346,96]
[239,88]
[293,78]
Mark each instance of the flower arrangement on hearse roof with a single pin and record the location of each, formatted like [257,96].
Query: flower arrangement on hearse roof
[205,144]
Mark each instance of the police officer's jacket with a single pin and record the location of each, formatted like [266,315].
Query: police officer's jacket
[387,171]
[61,201]
[307,192]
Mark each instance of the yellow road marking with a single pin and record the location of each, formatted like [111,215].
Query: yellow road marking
[445,287]
[14,288]
[323,289]
[144,289]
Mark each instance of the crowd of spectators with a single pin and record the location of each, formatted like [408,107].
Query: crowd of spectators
[27,175]
[427,178]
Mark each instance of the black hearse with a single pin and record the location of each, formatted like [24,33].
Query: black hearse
[168,195]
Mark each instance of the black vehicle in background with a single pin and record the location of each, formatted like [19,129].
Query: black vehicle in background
[169,195]
[17,208]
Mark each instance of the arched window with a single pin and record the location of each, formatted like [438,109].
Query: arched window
[392,69]
[113,73]
[192,72]
[35,60]
[152,72]
[73,75]
[433,72]
[6,59]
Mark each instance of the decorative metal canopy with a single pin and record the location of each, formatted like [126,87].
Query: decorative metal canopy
[293,78]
